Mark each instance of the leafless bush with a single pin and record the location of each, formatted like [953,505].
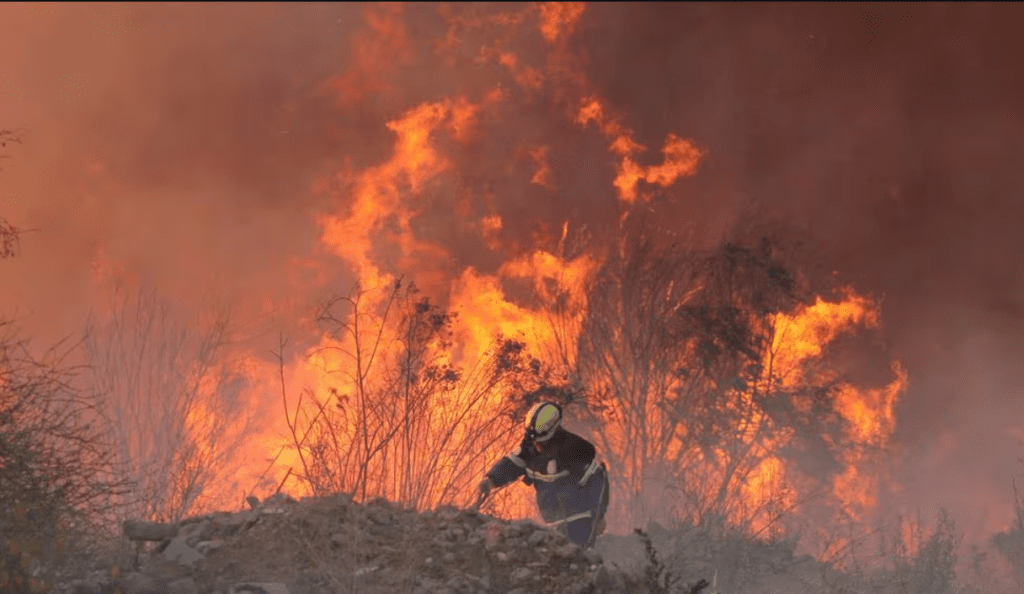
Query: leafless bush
[910,559]
[55,480]
[172,398]
[9,234]
[1010,543]
[395,417]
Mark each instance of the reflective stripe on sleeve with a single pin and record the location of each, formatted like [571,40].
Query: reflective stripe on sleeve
[547,478]
[573,518]
[514,457]
[594,464]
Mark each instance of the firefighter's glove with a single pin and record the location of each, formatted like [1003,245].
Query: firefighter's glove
[485,486]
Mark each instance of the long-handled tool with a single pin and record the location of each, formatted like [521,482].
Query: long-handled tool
[480,500]
[485,494]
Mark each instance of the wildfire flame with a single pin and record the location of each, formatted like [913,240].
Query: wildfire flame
[681,155]
[373,234]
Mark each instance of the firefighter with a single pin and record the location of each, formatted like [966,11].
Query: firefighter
[571,483]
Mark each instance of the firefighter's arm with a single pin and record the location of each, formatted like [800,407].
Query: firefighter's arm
[579,457]
[507,469]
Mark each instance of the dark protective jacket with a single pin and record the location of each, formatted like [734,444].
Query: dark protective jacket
[571,482]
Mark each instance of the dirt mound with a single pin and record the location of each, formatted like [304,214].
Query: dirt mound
[332,545]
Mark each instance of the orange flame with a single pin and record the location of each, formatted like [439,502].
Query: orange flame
[557,19]
[543,176]
[681,157]
[379,191]
[374,235]
[377,51]
[869,413]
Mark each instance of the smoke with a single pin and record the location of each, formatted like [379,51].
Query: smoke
[178,143]
[197,146]
[893,133]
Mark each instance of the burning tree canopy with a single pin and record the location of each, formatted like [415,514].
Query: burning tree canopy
[703,375]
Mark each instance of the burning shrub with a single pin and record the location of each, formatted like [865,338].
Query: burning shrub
[394,416]
[701,373]
[172,396]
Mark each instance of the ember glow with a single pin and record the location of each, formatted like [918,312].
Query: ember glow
[464,177]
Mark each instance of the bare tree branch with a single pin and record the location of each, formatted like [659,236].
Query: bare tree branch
[173,397]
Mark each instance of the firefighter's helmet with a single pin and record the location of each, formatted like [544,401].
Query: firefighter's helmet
[543,420]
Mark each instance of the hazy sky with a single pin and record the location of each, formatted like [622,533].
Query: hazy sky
[185,142]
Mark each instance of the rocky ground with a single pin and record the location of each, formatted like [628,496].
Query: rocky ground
[332,545]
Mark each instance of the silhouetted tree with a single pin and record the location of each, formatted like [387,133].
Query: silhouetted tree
[9,234]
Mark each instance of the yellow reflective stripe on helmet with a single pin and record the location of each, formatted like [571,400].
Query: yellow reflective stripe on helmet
[546,416]
[531,417]
[573,518]
[547,478]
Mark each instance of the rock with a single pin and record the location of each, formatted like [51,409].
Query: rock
[381,517]
[567,551]
[232,523]
[366,570]
[457,584]
[196,532]
[607,582]
[522,527]
[579,588]
[179,552]
[379,547]
[253,501]
[279,499]
[208,546]
[184,585]
[455,533]
[483,581]
[520,575]
[149,531]
[492,534]
[308,580]
[254,588]
[85,587]
[448,514]
[137,583]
